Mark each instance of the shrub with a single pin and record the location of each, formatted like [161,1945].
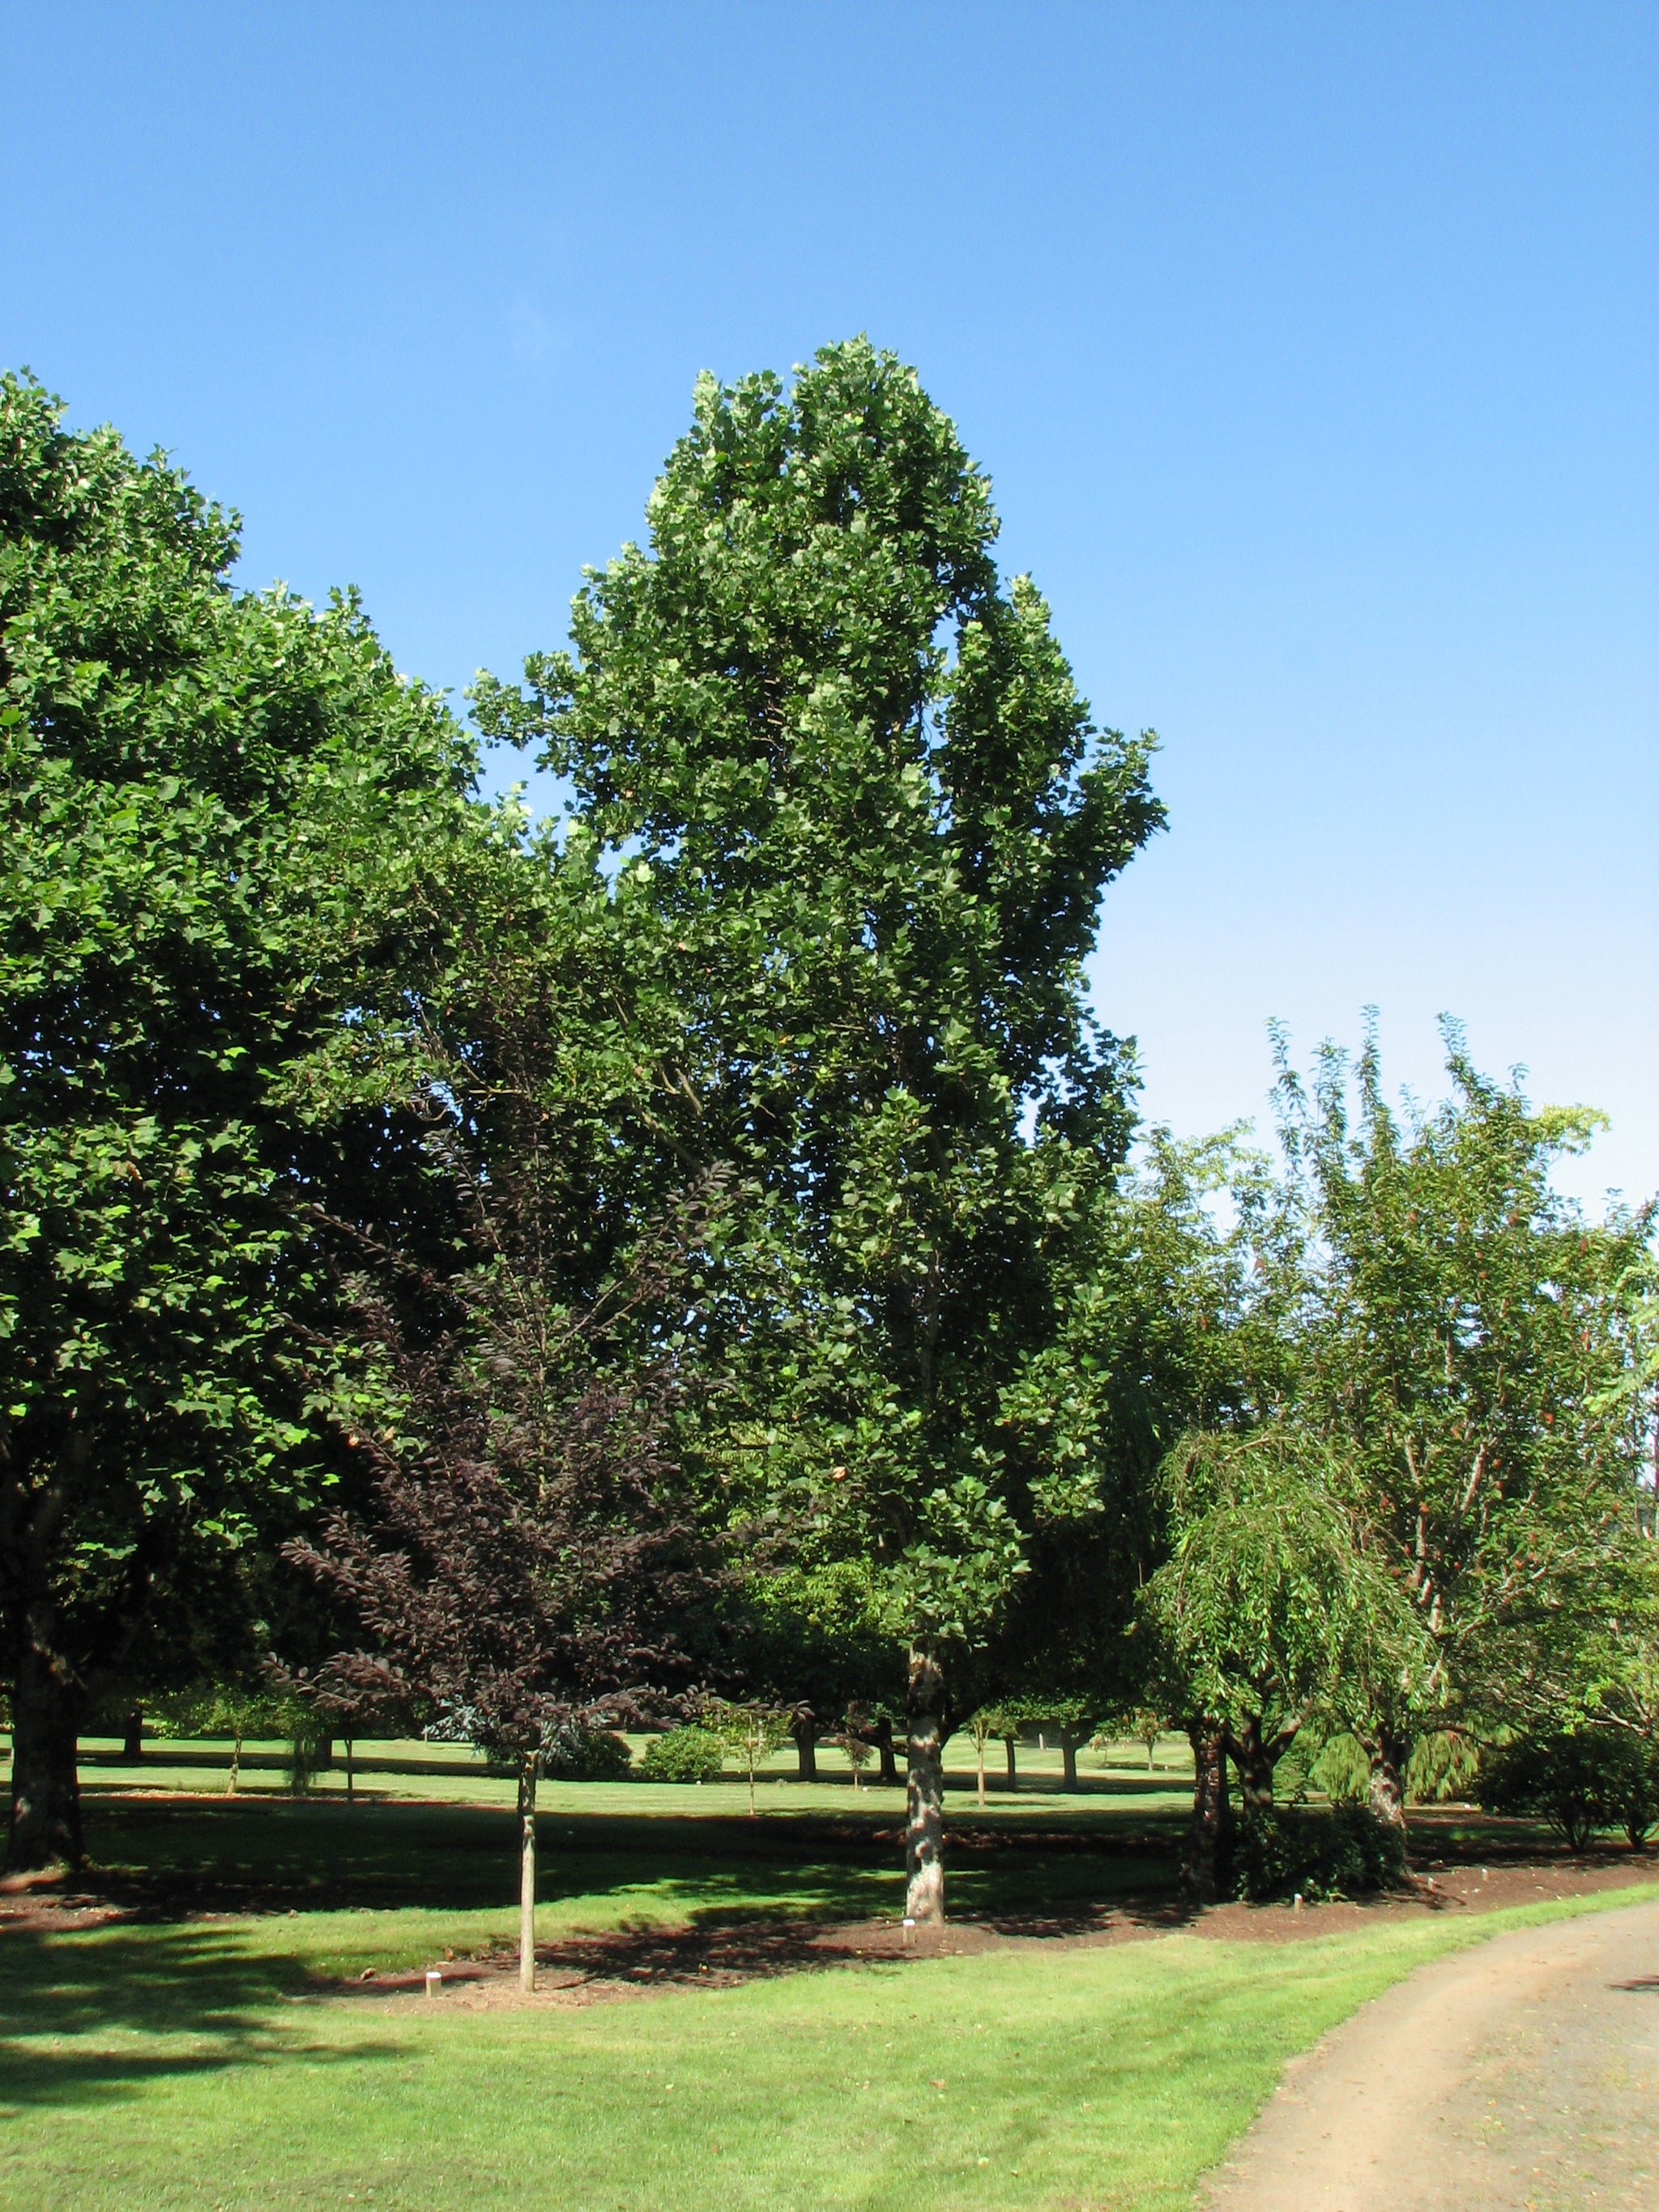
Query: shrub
[1637,1791]
[578,1753]
[1595,1779]
[1343,1851]
[685,1754]
[574,1752]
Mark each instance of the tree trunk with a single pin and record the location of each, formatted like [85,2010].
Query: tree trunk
[132,1741]
[351,1778]
[46,1793]
[886,1754]
[527,1872]
[805,1729]
[1199,1871]
[1255,1765]
[1388,1751]
[924,1832]
[1068,1756]
[235,1765]
[979,1769]
[1008,1752]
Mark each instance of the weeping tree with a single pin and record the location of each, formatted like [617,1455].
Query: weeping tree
[846,768]
[526,1557]
[1178,1319]
[1271,1607]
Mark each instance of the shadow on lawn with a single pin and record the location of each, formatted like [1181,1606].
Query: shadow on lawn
[81,2017]
[187,1854]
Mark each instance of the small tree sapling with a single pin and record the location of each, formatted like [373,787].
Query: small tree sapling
[855,1742]
[752,1733]
[983,1725]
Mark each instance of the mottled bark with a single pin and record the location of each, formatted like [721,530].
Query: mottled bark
[1199,1871]
[527,1872]
[924,1830]
[46,1711]
[1387,1751]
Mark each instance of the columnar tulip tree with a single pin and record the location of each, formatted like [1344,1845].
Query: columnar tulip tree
[874,819]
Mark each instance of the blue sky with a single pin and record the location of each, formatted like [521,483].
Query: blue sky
[1311,350]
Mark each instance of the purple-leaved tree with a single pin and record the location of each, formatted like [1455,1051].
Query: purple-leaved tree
[525,1557]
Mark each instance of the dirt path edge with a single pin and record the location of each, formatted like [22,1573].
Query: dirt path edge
[1347,2129]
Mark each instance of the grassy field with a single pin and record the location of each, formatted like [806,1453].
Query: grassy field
[414,1768]
[207,2054]
[430,1827]
[183,2066]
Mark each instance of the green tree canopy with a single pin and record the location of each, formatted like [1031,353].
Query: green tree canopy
[855,777]
[1177,1291]
[1272,1607]
[221,812]
[1469,1342]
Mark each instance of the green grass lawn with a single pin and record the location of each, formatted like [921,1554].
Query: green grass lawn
[181,2065]
[200,2056]
[604,1867]
[430,1827]
[413,1768]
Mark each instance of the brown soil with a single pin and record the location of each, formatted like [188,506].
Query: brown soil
[1435,1890]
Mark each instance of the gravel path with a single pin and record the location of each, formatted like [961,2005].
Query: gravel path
[1519,2076]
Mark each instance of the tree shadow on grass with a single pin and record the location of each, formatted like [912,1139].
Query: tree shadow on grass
[163,1860]
[709,1957]
[713,1954]
[248,1855]
[93,2017]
